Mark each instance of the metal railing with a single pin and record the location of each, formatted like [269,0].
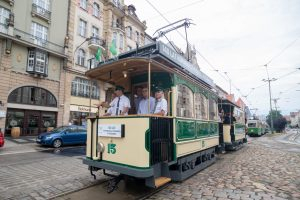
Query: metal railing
[21,35]
[117,25]
[96,41]
[40,11]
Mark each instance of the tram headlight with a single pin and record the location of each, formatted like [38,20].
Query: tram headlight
[100,147]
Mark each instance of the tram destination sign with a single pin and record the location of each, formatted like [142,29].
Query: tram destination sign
[111,130]
[178,59]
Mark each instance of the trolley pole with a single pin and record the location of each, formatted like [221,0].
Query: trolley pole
[270,95]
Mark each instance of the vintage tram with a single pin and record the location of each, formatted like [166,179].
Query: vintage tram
[257,127]
[154,148]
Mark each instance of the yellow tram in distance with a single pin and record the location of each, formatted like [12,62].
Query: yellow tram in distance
[155,148]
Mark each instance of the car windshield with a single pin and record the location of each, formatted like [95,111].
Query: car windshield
[59,129]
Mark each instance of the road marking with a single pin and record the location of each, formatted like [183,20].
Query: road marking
[20,152]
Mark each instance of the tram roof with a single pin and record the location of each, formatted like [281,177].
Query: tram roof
[227,102]
[161,54]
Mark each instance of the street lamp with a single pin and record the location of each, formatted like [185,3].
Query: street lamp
[269,81]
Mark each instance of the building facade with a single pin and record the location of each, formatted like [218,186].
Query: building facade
[32,62]
[95,27]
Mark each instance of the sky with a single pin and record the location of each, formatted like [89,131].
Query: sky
[235,39]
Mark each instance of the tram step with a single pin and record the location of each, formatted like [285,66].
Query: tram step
[161,181]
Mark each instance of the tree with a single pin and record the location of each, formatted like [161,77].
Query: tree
[279,122]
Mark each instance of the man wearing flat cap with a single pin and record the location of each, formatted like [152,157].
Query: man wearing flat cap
[161,104]
[120,104]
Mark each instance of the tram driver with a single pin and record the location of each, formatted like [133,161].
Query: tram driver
[120,104]
[161,104]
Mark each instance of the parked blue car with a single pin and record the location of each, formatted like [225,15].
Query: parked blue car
[64,135]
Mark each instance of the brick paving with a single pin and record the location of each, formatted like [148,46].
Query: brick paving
[254,172]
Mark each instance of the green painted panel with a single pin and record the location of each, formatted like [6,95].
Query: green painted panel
[185,129]
[178,80]
[147,140]
[213,129]
[202,129]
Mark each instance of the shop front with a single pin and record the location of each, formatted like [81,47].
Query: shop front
[78,114]
[30,111]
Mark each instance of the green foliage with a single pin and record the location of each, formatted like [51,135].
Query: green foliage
[279,122]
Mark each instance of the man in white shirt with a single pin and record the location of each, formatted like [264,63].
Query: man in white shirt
[120,105]
[161,104]
[144,103]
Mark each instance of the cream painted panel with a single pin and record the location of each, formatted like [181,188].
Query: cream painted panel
[226,133]
[185,148]
[239,136]
[130,150]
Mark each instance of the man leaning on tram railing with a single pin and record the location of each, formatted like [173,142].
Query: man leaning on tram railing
[120,105]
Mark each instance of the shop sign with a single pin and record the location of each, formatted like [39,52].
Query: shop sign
[111,130]
[2,113]
[82,109]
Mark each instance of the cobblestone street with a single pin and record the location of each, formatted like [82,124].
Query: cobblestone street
[263,169]
[43,175]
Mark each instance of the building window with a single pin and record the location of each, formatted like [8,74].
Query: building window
[39,34]
[129,32]
[42,5]
[185,102]
[115,38]
[81,57]
[81,88]
[82,28]
[121,42]
[137,37]
[96,10]
[83,4]
[4,16]
[37,62]
[95,32]
[33,96]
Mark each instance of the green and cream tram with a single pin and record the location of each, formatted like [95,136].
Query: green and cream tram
[155,148]
[256,127]
[233,127]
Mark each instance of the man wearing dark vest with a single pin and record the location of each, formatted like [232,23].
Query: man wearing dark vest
[120,104]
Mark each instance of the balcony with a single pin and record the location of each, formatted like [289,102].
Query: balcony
[33,41]
[118,26]
[95,42]
[41,12]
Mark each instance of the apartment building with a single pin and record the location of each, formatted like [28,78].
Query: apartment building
[32,61]
[96,26]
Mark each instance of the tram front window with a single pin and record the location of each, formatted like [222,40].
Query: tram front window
[252,125]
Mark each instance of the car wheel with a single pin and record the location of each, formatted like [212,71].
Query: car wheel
[57,143]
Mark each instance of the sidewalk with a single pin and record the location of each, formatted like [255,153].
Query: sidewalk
[23,144]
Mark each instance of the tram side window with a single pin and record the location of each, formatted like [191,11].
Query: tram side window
[198,105]
[185,104]
[212,109]
[204,108]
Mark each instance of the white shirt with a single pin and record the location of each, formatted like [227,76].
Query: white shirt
[123,103]
[143,106]
[161,105]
